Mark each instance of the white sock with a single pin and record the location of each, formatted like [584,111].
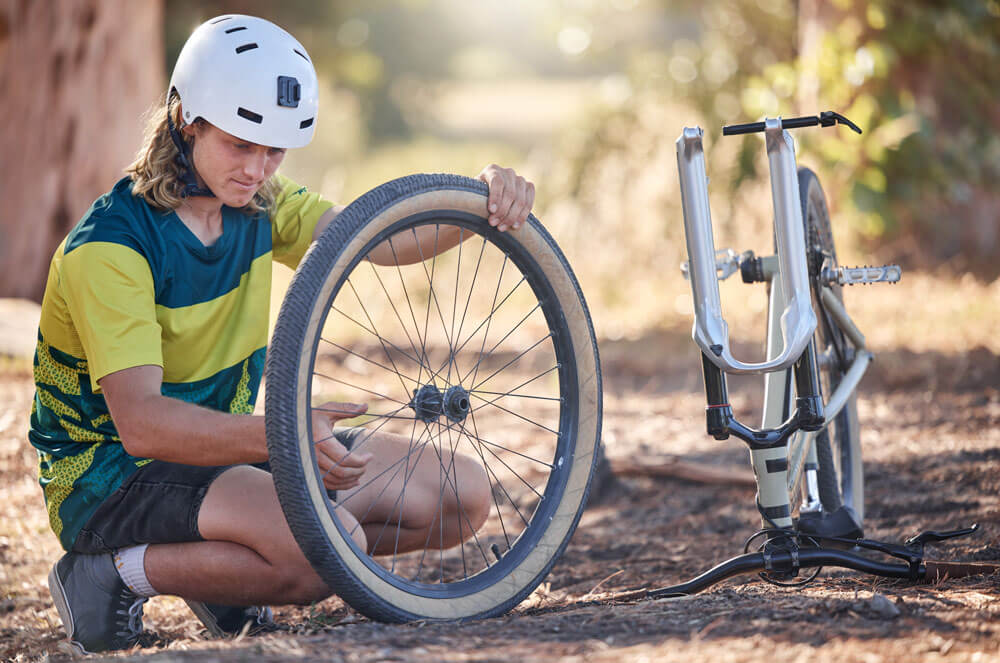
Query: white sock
[131,566]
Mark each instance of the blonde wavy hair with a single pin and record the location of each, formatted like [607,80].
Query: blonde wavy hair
[155,174]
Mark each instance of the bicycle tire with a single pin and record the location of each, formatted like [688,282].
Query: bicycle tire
[838,446]
[325,283]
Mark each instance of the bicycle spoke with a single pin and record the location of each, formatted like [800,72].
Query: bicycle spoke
[388,356]
[511,412]
[468,299]
[409,304]
[511,469]
[454,303]
[393,306]
[355,491]
[489,319]
[506,394]
[494,308]
[370,361]
[494,373]
[454,486]
[354,386]
[406,480]
[496,345]
[491,472]
[526,382]
[358,443]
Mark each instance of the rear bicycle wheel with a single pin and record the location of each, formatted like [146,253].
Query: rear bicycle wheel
[838,446]
[485,351]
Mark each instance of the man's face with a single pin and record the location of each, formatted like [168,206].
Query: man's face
[234,169]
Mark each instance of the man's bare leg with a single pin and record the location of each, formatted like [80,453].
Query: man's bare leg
[409,490]
[249,556]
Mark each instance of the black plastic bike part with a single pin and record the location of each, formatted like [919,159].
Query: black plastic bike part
[183,161]
[809,403]
[806,558]
[427,403]
[933,536]
[752,269]
[721,423]
[911,553]
[456,404]
[787,537]
[830,118]
[840,523]
[718,411]
[795,557]
[825,119]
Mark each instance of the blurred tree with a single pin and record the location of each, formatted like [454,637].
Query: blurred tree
[76,78]
[919,77]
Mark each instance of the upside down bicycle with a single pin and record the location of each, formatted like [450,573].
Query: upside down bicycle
[488,349]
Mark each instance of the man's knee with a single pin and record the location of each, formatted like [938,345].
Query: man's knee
[474,491]
[298,585]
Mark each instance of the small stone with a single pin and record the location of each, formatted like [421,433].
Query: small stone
[883,607]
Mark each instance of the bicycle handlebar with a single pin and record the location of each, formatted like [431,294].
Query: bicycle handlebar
[826,119]
[803,558]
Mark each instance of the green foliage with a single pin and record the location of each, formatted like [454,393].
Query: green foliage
[919,77]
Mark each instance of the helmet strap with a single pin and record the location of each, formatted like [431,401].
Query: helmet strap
[183,160]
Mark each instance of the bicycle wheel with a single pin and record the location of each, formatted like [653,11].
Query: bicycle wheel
[838,446]
[486,350]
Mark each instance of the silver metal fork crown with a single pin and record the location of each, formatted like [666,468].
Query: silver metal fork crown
[710,331]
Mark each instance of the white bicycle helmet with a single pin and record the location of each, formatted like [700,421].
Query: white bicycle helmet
[249,78]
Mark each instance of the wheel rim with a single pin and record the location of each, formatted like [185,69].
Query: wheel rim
[448,389]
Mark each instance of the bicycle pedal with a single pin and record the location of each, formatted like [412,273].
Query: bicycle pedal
[863,275]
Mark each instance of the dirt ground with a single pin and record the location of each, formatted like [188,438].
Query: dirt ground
[932,461]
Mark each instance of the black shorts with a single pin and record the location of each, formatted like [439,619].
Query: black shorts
[159,503]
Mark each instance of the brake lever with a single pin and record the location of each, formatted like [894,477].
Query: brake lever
[932,536]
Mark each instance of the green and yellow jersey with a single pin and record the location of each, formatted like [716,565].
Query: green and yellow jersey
[131,285]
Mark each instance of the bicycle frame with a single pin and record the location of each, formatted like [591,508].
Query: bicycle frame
[784,446]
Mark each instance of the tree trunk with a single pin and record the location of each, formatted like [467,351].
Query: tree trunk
[76,77]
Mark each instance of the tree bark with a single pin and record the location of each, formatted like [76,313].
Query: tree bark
[76,78]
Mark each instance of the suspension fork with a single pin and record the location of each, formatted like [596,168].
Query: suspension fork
[791,343]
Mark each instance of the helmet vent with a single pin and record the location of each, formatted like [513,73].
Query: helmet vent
[304,124]
[249,115]
[220,19]
[237,29]
[246,47]
[301,54]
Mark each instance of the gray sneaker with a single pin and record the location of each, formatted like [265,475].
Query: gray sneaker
[97,610]
[224,621]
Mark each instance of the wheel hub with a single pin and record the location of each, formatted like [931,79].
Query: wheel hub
[429,403]
[456,404]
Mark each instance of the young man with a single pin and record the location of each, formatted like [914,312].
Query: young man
[151,348]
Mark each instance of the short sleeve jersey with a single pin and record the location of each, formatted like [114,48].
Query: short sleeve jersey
[131,285]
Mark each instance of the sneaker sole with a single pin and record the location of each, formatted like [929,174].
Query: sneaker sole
[59,598]
[207,619]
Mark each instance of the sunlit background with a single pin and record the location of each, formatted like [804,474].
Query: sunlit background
[587,97]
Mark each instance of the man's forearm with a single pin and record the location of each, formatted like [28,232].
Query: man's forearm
[175,431]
